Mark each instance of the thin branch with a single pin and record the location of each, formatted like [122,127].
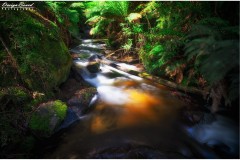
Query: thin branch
[114,52]
[14,62]
[45,20]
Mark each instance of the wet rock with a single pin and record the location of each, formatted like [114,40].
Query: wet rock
[77,106]
[47,118]
[75,56]
[93,67]
[80,101]
[94,63]
[82,97]
[68,89]
[71,117]
[94,58]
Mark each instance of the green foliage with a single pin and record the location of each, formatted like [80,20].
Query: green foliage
[14,96]
[212,50]
[12,100]
[156,56]
[150,56]
[128,45]
[68,14]
[137,28]
[16,93]
[102,14]
[126,29]
[174,17]
[214,47]
[107,9]
[166,24]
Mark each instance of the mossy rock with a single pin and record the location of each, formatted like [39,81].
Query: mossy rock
[82,98]
[40,52]
[47,118]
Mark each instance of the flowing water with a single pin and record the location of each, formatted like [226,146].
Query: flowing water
[132,118]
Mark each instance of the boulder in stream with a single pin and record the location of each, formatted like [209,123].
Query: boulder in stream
[78,105]
[82,98]
[93,67]
[47,118]
[94,63]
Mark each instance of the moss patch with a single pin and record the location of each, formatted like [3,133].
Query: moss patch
[60,108]
[47,118]
[39,123]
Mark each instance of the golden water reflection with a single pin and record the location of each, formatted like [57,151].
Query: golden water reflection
[144,107]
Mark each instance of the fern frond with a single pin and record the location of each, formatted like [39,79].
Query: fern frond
[214,47]
[221,61]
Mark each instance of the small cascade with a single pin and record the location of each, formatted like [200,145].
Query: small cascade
[222,133]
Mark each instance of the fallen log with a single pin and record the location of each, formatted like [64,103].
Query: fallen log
[174,85]
[156,79]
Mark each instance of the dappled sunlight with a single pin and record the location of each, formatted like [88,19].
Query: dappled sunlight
[140,99]
[140,109]
[146,107]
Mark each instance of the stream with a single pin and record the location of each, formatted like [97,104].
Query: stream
[134,118]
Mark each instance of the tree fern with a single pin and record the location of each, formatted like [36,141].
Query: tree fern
[101,14]
[215,51]
[212,53]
